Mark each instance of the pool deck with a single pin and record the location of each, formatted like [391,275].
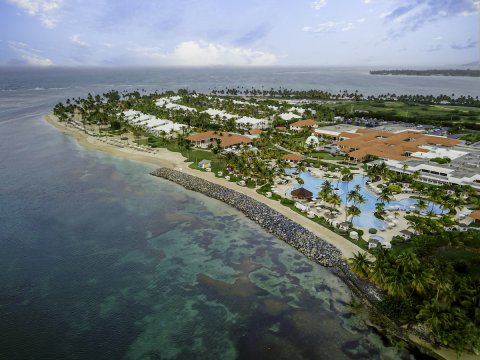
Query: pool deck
[399,222]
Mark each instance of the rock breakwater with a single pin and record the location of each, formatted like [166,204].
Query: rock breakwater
[272,221]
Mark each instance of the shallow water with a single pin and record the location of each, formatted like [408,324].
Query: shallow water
[100,260]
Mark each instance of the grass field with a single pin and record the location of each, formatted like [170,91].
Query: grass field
[323,155]
[411,111]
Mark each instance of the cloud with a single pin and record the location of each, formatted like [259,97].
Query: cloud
[329,27]
[410,15]
[199,53]
[317,5]
[46,10]
[28,55]
[469,44]
[75,39]
[433,48]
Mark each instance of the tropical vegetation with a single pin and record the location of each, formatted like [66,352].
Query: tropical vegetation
[435,283]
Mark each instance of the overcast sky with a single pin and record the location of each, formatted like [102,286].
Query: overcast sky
[239,32]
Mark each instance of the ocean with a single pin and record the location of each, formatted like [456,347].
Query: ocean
[100,260]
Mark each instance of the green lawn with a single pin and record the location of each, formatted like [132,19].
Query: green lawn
[412,112]
[323,155]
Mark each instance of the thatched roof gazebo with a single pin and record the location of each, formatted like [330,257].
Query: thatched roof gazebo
[302,194]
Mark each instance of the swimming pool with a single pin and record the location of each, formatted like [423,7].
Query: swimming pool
[367,217]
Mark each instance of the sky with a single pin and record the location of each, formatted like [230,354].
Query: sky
[239,32]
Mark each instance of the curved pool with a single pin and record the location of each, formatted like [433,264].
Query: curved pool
[367,217]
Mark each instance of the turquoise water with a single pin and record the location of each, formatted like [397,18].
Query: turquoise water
[100,260]
[367,217]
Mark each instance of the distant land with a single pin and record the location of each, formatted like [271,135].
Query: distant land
[433,72]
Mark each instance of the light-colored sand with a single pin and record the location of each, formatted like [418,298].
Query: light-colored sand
[166,158]
[443,353]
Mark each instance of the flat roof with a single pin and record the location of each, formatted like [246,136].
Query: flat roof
[340,127]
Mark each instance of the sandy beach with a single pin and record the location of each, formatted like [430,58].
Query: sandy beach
[173,160]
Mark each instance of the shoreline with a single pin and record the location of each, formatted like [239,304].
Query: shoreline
[175,162]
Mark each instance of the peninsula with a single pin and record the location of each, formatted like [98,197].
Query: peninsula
[398,200]
[430,72]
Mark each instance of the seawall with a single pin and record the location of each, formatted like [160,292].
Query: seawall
[275,223]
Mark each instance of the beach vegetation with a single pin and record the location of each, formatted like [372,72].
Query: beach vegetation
[431,281]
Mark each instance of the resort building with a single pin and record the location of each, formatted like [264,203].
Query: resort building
[475,216]
[293,158]
[219,114]
[224,139]
[303,124]
[335,132]
[368,143]
[255,133]
[289,116]
[153,125]
[250,122]
[169,103]
[312,140]
[205,164]
[461,170]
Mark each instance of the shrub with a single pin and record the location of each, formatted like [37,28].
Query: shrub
[403,310]
[286,201]
[276,197]
[397,239]
[372,231]
[395,188]
[439,160]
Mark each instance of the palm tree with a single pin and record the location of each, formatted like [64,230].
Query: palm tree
[396,284]
[350,197]
[360,264]
[434,316]
[325,191]
[422,205]
[353,211]
[378,272]
[346,176]
[380,207]
[407,262]
[360,199]
[420,281]
[385,196]
[415,175]
[334,200]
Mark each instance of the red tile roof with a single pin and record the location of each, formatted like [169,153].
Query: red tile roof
[304,123]
[226,139]
[293,157]
[389,145]
[475,215]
